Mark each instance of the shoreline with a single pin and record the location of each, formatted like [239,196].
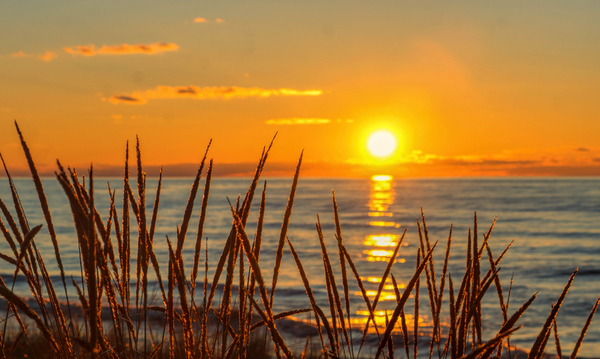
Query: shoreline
[294,330]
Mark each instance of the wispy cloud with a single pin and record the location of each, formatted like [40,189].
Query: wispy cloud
[304,121]
[122,49]
[46,56]
[81,50]
[298,121]
[19,54]
[207,93]
[204,20]
[127,99]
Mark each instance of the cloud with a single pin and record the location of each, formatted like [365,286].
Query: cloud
[123,49]
[127,99]
[583,149]
[19,54]
[304,121]
[81,50]
[298,121]
[46,56]
[207,93]
[138,49]
[204,20]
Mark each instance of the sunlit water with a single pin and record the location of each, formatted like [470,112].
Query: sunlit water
[555,223]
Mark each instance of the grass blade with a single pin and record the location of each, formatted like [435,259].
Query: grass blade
[338,232]
[16,200]
[311,296]
[25,246]
[190,204]
[267,315]
[557,340]
[284,228]
[19,303]
[333,295]
[538,345]
[584,330]
[403,299]
[201,227]
[403,318]
[363,292]
[46,211]
[416,308]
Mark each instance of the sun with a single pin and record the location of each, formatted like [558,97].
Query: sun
[381,143]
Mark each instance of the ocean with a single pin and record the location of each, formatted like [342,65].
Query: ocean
[555,224]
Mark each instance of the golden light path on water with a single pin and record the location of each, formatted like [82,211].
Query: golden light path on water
[379,247]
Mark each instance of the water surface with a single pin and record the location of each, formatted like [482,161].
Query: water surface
[555,223]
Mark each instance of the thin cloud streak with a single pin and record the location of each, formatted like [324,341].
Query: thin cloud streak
[46,56]
[204,20]
[304,121]
[298,121]
[127,100]
[122,49]
[19,54]
[206,93]
[81,50]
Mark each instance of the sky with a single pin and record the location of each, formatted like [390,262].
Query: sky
[467,88]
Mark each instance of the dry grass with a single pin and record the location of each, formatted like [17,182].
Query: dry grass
[188,325]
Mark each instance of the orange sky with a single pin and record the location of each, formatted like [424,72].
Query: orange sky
[469,88]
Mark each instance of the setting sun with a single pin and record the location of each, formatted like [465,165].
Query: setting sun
[381,144]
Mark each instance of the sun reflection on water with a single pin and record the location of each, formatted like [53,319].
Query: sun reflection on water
[380,214]
[379,247]
[381,240]
[380,318]
[378,253]
[381,197]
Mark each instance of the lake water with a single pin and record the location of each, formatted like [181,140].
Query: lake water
[555,223]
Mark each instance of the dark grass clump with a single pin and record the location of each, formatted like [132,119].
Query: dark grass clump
[105,318]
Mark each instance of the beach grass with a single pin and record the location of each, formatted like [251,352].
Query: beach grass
[105,319]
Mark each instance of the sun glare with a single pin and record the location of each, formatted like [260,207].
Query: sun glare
[381,144]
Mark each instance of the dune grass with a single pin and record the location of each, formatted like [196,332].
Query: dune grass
[188,324]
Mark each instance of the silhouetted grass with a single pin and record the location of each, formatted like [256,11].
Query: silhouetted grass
[104,320]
